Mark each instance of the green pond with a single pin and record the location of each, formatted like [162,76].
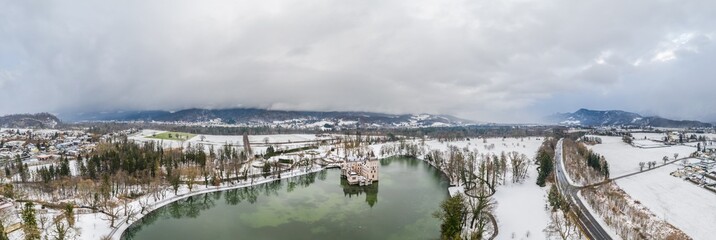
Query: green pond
[314,206]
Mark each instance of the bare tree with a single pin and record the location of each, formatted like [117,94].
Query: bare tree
[520,164]
[62,231]
[561,228]
[111,212]
[43,220]
[131,215]
[190,173]
[144,204]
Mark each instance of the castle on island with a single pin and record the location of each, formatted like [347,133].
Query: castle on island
[362,172]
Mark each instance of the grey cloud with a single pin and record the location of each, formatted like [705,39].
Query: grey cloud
[486,60]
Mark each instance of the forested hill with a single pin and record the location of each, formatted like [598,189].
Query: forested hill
[39,120]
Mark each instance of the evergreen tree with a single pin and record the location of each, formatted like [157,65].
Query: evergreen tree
[266,169]
[452,212]
[69,212]
[545,167]
[21,169]
[605,169]
[3,235]
[32,232]
[270,151]
[555,200]
[174,180]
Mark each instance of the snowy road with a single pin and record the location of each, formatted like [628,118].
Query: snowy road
[589,225]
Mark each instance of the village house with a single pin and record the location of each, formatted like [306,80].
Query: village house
[44,157]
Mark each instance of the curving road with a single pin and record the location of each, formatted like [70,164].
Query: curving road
[589,225]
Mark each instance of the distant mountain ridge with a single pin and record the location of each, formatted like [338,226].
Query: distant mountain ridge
[254,116]
[586,117]
[38,120]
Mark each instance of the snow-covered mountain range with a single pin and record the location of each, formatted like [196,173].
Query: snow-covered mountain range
[586,117]
[264,117]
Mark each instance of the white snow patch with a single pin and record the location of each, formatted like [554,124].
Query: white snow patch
[681,203]
[624,159]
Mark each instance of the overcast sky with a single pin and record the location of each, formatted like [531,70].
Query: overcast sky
[487,60]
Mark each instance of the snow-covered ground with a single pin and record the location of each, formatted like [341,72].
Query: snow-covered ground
[648,136]
[92,226]
[74,169]
[683,204]
[624,159]
[281,138]
[34,131]
[528,146]
[219,141]
[235,139]
[515,201]
[709,136]
[520,207]
[648,143]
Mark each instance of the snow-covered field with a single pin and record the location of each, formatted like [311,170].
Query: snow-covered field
[648,143]
[649,136]
[683,204]
[528,146]
[237,140]
[520,207]
[624,159]
[709,136]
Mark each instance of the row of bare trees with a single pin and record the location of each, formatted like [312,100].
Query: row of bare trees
[584,166]
[479,173]
[627,217]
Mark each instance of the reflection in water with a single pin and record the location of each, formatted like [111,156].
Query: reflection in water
[192,207]
[409,162]
[310,207]
[386,161]
[371,191]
